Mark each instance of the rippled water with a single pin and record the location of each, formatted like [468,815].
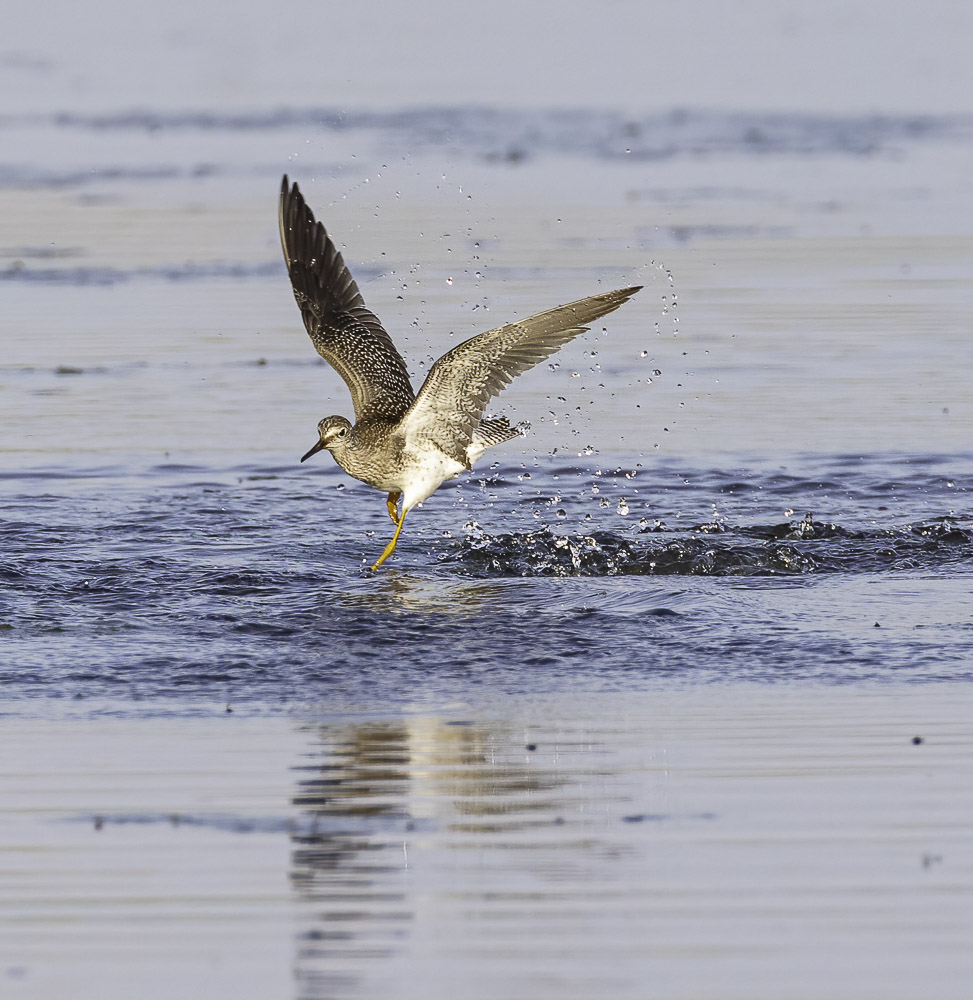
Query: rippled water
[718,840]
[252,584]
[668,698]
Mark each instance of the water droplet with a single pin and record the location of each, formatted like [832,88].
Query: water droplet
[449,281]
[623,507]
[561,512]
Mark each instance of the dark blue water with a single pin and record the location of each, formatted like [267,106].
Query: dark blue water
[250,585]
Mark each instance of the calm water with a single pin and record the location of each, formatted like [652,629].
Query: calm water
[670,698]
[719,840]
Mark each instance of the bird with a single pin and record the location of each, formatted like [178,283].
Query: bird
[408,443]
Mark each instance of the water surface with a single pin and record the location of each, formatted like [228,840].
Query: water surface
[668,698]
[714,840]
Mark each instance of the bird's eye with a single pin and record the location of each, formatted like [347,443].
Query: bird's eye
[342,432]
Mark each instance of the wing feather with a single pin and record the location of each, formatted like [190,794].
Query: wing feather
[459,385]
[343,330]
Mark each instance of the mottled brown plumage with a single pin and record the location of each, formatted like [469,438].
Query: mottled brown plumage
[404,443]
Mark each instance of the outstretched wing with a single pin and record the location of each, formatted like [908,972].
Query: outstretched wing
[344,332]
[451,401]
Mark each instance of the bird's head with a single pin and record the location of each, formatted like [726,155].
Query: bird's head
[332,435]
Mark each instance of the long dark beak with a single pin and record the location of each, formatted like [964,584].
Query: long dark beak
[318,447]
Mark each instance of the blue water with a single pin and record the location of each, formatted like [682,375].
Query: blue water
[673,690]
[250,585]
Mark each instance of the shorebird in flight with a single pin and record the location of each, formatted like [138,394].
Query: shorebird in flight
[404,443]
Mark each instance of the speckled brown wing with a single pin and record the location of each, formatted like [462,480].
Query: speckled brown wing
[451,401]
[343,330]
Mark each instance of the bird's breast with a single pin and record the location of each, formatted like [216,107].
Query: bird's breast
[414,467]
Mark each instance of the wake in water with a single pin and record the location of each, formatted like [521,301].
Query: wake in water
[249,584]
[720,549]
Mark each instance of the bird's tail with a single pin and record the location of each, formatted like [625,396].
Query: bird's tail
[491,431]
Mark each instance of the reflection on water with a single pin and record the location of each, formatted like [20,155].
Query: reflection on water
[340,864]
[717,841]
[583,848]
[398,591]
[373,788]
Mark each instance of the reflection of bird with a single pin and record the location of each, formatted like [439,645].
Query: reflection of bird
[402,443]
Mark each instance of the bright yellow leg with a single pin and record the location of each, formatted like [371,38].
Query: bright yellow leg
[393,510]
[390,548]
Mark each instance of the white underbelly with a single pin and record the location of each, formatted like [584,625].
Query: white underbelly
[428,468]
